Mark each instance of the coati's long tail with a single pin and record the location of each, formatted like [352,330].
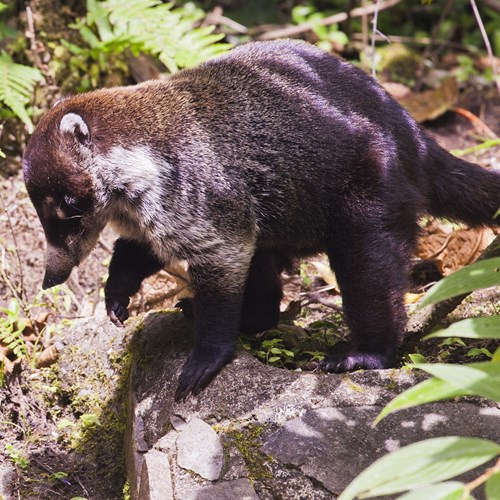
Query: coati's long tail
[462,191]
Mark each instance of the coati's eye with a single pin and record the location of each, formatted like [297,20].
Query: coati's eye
[68,209]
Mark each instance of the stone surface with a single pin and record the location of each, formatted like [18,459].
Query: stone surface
[156,481]
[285,434]
[321,442]
[239,489]
[199,449]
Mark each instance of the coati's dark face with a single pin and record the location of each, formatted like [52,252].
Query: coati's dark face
[62,191]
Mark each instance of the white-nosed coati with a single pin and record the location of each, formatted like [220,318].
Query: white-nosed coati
[272,151]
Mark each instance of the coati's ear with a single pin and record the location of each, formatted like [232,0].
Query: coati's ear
[74,125]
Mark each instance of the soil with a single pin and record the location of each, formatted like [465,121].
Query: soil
[48,463]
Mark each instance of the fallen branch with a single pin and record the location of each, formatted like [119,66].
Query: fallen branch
[336,18]
[425,319]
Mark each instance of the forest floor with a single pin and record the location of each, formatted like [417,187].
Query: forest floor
[31,420]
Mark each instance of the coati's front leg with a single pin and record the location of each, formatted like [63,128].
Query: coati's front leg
[216,307]
[131,263]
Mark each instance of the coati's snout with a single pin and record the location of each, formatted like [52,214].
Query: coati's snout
[59,265]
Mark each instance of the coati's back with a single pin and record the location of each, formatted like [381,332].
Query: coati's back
[307,131]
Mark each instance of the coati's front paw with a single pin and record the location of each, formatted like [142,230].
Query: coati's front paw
[203,364]
[116,307]
[347,360]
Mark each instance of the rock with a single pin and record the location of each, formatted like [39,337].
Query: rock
[321,442]
[156,481]
[199,449]
[284,434]
[240,489]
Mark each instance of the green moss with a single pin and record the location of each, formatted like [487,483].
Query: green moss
[248,442]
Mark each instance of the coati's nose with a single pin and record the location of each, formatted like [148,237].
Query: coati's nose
[58,268]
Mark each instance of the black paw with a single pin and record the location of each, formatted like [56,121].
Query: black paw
[348,360]
[117,309]
[186,306]
[203,364]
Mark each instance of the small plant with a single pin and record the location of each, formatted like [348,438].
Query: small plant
[272,352]
[16,321]
[17,457]
[329,37]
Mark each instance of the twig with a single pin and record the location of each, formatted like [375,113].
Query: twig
[478,124]
[482,478]
[336,18]
[486,43]
[217,17]
[374,32]
[417,41]
[20,295]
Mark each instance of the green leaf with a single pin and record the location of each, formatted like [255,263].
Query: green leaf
[471,379]
[431,390]
[421,464]
[493,487]
[482,274]
[472,328]
[16,86]
[451,490]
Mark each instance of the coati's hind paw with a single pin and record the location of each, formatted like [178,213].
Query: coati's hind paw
[117,309]
[203,364]
[348,360]
[186,306]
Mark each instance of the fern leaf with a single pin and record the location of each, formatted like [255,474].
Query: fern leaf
[16,86]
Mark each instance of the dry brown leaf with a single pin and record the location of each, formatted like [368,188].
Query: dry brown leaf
[47,357]
[452,249]
[7,364]
[430,104]
[326,273]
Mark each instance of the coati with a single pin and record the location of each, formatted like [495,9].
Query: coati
[272,151]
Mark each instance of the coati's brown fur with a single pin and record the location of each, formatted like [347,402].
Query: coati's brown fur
[273,151]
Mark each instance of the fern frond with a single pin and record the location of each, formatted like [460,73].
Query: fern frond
[16,86]
[170,34]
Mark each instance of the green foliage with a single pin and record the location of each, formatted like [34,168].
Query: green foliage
[17,457]
[329,37]
[15,318]
[272,352]
[114,27]
[420,464]
[17,83]
[423,466]
[482,274]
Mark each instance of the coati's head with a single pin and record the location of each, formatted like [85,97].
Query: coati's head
[55,167]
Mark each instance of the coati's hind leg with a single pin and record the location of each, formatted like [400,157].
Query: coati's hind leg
[263,293]
[371,267]
[131,263]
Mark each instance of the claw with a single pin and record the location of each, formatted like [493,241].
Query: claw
[117,310]
[202,366]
